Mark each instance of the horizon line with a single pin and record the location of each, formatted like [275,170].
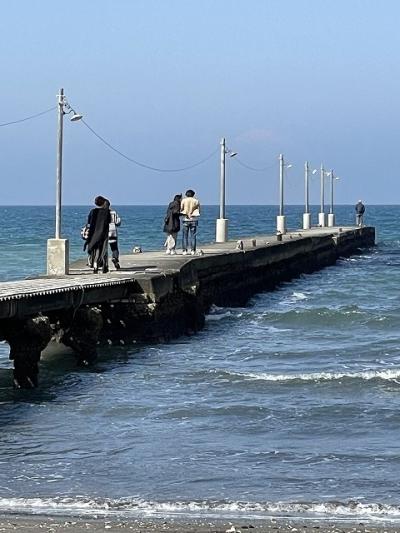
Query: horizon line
[204,205]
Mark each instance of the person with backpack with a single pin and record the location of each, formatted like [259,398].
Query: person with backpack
[172,224]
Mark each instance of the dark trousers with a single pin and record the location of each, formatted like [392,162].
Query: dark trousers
[98,257]
[114,250]
[189,233]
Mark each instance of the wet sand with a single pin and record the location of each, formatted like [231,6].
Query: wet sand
[29,524]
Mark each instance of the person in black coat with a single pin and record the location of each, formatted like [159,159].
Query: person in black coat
[172,224]
[97,243]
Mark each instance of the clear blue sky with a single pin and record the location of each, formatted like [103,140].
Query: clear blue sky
[163,80]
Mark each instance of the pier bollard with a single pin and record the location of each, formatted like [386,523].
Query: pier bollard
[221,230]
[57,257]
[306,220]
[281,224]
[321,220]
[331,220]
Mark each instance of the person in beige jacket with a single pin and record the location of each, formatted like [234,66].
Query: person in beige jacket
[190,209]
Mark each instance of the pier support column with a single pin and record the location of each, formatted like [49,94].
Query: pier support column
[331,220]
[83,334]
[27,340]
[221,230]
[281,224]
[306,220]
[57,257]
[322,220]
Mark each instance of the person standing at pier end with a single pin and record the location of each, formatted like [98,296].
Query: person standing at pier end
[97,243]
[360,210]
[172,224]
[113,237]
[190,209]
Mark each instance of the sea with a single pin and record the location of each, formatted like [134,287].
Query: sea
[289,406]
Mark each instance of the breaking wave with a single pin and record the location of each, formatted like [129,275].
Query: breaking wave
[213,509]
[384,375]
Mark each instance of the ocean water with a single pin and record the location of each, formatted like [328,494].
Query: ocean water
[288,406]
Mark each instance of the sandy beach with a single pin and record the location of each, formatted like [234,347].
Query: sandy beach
[28,524]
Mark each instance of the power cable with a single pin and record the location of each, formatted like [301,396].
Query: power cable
[28,118]
[253,168]
[144,165]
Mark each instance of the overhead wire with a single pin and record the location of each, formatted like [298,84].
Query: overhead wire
[245,165]
[28,118]
[143,165]
[132,160]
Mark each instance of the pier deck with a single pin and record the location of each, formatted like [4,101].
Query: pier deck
[155,296]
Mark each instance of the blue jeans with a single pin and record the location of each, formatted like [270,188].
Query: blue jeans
[189,235]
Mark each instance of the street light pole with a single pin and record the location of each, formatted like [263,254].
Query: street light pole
[222,222]
[59,163]
[331,215]
[321,214]
[281,219]
[222,180]
[58,248]
[306,214]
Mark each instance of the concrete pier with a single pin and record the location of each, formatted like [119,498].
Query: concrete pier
[156,297]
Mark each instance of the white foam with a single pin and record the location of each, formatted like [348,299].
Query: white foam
[253,510]
[386,375]
[216,317]
[299,296]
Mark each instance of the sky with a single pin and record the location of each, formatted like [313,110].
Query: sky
[163,80]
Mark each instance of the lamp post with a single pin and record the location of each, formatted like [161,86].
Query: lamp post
[331,215]
[222,222]
[321,214]
[306,214]
[281,219]
[58,248]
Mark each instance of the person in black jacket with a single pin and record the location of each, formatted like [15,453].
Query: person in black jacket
[360,210]
[97,243]
[172,224]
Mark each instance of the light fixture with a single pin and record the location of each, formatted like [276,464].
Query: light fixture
[67,110]
[76,116]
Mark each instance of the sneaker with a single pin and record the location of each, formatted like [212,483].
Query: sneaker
[168,252]
[192,252]
[116,263]
[173,252]
[184,252]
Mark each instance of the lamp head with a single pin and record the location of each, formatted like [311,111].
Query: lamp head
[232,154]
[289,166]
[76,116]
